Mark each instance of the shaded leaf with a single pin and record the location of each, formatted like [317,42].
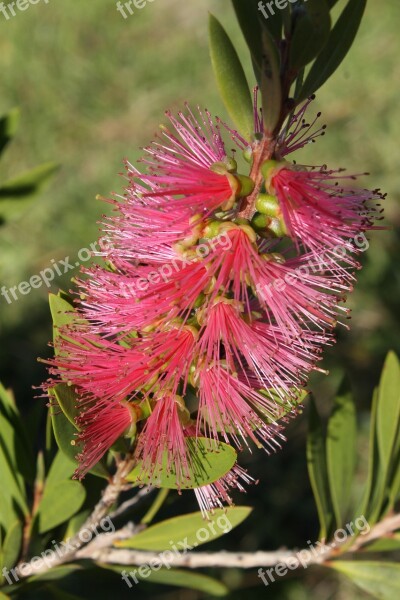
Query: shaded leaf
[247,15]
[381,579]
[311,27]
[12,545]
[59,503]
[176,577]
[384,545]
[188,527]
[61,468]
[338,45]
[210,461]
[231,79]
[271,87]
[341,453]
[317,470]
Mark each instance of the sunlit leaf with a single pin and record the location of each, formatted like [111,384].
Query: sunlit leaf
[231,79]
[191,528]
[210,461]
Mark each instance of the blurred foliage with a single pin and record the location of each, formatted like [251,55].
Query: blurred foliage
[92,88]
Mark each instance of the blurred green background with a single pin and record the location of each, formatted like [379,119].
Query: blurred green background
[92,88]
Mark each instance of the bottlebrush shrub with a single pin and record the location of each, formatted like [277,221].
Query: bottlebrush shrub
[220,287]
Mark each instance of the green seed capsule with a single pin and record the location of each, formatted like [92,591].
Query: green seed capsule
[267,205]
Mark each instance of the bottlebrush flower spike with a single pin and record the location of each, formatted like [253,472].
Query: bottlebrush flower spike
[197,301]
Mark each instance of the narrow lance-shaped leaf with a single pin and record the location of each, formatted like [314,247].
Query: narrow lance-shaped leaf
[177,577]
[388,416]
[381,579]
[311,27]
[12,545]
[373,462]
[271,88]
[338,45]
[246,13]
[187,527]
[341,452]
[231,79]
[317,470]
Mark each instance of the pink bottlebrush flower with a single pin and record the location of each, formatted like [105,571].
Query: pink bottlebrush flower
[101,428]
[130,301]
[189,166]
[161,444]
[299,132]
[292,293]
[230,408]
[218,494]
[103,371]
[257,346]
[317,207]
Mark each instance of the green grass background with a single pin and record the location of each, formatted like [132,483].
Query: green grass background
[92,88]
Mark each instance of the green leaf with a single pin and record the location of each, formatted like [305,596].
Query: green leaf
[312,24]
[66,398]
[341,453]
[11,484]
[317,470]
[64,432]
[28,183]
[188,528]
[380,579]
[247,15]
[271,88]
[62,468]
[8,128]
[384,545]
[59,503]
[231,79]
[210,461]
[62,313]
[388,416]
[12,545]
[338,45]
[176,577]
[372,486]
